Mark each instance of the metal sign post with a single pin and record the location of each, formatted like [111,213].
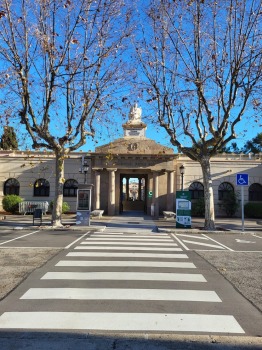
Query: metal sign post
[242,180]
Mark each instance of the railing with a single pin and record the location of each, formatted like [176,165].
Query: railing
[28,207]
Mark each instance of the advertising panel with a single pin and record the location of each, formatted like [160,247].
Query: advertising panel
[183,209]
[83,207]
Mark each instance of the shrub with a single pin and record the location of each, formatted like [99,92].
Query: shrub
[65,207]
[253,210]
[230,203]
[11,202]
[198,207]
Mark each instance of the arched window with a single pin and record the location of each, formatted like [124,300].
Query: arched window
[41,188]
[11,186]
[224,189]
[70,188]
[197,190]
[255,192]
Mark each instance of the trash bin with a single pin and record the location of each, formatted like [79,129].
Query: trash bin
[37,215]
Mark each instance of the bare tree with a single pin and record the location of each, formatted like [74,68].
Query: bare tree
[62,65]
[202,64]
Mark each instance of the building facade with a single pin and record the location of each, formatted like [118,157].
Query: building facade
[132,173]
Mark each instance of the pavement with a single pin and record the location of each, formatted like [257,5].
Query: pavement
[234,225]
[241,269]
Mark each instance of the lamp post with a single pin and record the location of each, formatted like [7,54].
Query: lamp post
[84,168]
[182,172]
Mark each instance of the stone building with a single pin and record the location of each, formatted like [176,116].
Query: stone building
[131,173]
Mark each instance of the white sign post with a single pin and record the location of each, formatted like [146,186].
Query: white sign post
[242,180]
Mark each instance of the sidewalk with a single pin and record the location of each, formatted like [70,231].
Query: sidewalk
[129,220]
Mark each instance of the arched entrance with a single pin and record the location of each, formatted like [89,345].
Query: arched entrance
[133,189]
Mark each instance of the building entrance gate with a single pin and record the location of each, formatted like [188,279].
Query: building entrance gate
[133,189]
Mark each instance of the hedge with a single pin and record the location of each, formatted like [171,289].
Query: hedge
[253,210]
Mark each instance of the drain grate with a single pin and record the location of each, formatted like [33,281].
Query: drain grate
[134,222]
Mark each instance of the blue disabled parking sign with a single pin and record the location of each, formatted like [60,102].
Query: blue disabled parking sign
[242,179]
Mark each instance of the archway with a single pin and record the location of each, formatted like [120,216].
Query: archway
[133,189]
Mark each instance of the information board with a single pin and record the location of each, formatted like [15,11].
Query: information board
[183,209]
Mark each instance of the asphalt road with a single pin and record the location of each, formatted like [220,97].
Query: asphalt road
[236,257]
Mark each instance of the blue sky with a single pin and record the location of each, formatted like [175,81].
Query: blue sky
[246,129]
[105,134]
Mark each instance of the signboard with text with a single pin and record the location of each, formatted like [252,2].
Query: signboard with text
[183,209]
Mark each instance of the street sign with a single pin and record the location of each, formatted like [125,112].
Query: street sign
[242,180]
[150,194]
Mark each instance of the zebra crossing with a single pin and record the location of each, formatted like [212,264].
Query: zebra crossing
[116,281]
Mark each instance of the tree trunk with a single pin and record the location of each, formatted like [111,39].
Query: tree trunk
[58,200]
[208,194]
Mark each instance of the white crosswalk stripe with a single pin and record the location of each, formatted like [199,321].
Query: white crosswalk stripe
[121,294]
[135,239]
[128,255]
[130,247]
[123,263]
[134,243]
[121,322]
[116,276]
[125,282]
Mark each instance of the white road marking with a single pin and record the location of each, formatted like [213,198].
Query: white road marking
[14,239]
[219,243]
[125,242]
[129,247]
[78,239]
[124,263]
[203,244]
[122,294]
[179,241]
[121,322]
[243,241]
[256,236]
[108,233]
[129,255]
[130,235]
[39,247]
[124,276]
[135,239]
[191,236]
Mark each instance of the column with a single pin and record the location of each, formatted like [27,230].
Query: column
[170,191]
[127,188]
[155,201]
[97,189]
[111,192]
[139,189]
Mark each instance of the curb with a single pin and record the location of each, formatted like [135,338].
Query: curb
[66,228]
[196,231]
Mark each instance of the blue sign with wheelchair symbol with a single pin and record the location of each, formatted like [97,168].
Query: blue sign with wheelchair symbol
[242,179]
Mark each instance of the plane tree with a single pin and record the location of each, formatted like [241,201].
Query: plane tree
[200,67]
[61,66]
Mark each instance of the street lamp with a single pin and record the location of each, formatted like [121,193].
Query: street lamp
[84,168]
[182,172]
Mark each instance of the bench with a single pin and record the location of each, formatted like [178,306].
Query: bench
[169,215]
[97,212]
[26,207]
